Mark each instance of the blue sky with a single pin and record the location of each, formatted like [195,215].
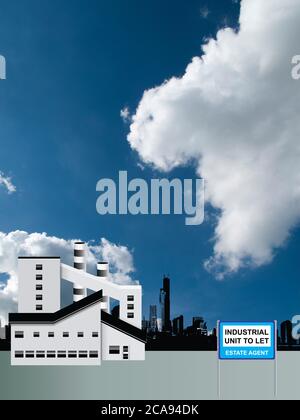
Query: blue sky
[71,68]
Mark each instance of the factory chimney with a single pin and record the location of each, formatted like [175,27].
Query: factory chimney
[102,269]
[79,292]
[102,272]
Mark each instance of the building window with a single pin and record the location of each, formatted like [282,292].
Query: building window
[130,298]
[39,266]
[114,349]
[93,354]
[29,354]
[65,334]
[39,287]
[72,353]
[130,315]
[95,334]
[61,354]
[83,354]
[125,349]
[38,297]
[36,334]
[125,356]
[130,306]
[51,354]
[40,354]
[19,354]
[80,334]
[39,307]
[39,277]
[19,334]
[51,334]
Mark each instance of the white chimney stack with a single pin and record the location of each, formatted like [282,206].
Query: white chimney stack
[102,272]
[79,292]
[102,269]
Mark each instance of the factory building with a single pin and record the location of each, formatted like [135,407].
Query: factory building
[83,333]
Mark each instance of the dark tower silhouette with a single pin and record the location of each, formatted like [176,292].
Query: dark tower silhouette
[178,325]
[286,333]
[165,305]
[153,318]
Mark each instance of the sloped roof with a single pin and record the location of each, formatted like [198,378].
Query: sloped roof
[51,318]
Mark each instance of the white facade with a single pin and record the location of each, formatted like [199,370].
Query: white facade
[39,284]
[73,340]
[119,346]
[44,334]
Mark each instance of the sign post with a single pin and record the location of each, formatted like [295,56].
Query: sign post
[247,341]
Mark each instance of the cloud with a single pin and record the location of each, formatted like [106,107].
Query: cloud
[18,243]
[235,114]
[204,12]
[7,183]
[125,115]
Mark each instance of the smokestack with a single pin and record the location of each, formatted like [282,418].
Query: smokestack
[102,272]
[102,269]
[79,292]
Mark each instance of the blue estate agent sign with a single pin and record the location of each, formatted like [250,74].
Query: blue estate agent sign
[246,340]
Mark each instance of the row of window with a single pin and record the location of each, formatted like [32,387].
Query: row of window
[116,349]
[58,354]
[20,334]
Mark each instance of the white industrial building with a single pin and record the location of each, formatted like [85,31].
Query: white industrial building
[83,333]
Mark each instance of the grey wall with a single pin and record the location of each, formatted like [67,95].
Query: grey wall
[164,375]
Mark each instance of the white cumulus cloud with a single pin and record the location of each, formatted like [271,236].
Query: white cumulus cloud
[20,243]
[235,114]
[7,183]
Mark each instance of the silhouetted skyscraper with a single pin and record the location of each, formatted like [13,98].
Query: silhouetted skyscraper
[286,332]
[164,300]
[153,318]
[178,325]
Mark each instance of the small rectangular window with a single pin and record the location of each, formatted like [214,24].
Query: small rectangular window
[29,354]
[19,334]
[38,297]
[38,287]
[72,353]
[39,267]
[61,354]
[130,298]
[130,315]
[51,334]
[114,349]
[80,334]
[36,334]
[125,349]
[51,354]
[65,334]
[19,354]
[40,354]
[125,356]
[39,277]
[83,354]
[93,354]
[130,306]
[95,334]
[39,307]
